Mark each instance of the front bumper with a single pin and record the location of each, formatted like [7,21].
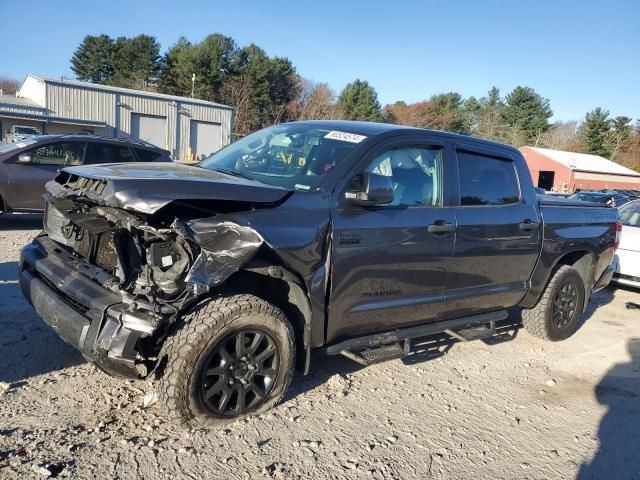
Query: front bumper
[64,291]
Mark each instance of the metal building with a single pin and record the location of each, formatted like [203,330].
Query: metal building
[567,171]
[188,128]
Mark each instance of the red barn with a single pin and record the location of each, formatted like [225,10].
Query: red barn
[569,171]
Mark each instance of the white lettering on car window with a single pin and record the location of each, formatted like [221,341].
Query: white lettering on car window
[345,136]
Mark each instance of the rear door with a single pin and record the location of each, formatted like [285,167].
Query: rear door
[27,180]
[497,235]
[388,268]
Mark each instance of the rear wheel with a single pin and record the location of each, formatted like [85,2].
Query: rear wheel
[556,315]
[231,357]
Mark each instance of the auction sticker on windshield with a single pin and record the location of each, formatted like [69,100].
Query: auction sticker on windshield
[345,136]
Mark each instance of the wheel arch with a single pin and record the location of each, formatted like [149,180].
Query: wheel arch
[581,259]
[284,289]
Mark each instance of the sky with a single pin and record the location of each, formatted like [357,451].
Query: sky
[578,54]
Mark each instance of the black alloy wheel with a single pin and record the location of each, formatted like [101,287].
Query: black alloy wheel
[239,372]
[565,305]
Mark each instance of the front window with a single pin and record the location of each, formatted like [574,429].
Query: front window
[293,156]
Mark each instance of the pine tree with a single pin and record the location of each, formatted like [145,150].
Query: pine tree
[92,61]
[595,131]
[527,112]
[359,101]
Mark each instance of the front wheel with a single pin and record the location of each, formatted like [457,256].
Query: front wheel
[555,317]
[231,357]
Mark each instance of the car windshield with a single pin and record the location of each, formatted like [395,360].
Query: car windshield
[27,131]
[292,156]
[630,214]
[10,147]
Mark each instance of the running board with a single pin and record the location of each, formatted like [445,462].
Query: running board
[370,349]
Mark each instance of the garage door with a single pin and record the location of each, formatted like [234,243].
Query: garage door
[205,138]
[149,128]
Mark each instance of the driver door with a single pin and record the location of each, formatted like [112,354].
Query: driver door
[27,180]
[390,262]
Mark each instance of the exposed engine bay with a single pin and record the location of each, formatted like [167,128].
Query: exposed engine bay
[156,263]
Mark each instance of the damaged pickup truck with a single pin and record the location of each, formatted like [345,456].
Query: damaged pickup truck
[342,237]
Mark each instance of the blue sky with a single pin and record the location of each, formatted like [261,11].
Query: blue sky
[579,54]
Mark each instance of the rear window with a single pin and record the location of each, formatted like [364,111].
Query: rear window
[147,155]
[487,180]
[107,153]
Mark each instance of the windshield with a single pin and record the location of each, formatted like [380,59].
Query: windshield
[630,214]
[10,147]
[292,156]
[27,131]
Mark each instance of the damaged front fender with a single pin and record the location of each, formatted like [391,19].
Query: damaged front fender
[225,248]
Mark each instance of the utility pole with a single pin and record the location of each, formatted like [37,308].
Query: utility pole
[193,84]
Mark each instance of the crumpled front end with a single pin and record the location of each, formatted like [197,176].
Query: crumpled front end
[112,282]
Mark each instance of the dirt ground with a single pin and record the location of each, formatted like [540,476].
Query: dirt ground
[519,408]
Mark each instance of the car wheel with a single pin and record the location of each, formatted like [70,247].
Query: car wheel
[555,317]
[230,357]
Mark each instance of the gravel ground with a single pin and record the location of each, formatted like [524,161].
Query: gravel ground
[520,408]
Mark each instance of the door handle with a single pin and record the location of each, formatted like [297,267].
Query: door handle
[528,225]
[440,226]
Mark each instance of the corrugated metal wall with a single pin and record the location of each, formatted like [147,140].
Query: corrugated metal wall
[80,103]
[115,109]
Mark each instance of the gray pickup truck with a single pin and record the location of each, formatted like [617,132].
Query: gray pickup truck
[342,237]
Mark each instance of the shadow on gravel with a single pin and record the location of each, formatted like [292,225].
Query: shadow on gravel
[600,299]
[323,367]
[619,431]
[28,347]
[20,221]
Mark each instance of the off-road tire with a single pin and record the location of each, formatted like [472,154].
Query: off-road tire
[538,320]
[199,331]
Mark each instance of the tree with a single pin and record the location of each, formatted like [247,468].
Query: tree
[136,62]
[619,136]
[448,106]
[594,132]
[527,112]
[562,136]
[314,101]
[8,86]
[359,101]
[92,60]
[490,121]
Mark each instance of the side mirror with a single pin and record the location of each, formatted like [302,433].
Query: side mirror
[375,190]
[24,158]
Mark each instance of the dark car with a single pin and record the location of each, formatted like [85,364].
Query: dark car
[27,165]
[341,237]
[611,198]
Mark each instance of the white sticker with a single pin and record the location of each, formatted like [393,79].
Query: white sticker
[167,261]
[345,136]
[300,186]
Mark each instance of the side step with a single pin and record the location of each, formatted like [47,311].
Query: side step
[370,349]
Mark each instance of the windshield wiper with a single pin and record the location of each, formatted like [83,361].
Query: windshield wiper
[234,173]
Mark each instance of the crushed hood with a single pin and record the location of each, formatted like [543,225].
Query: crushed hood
[147,187]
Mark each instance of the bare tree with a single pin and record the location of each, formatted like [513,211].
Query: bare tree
[562,136]
[9,86]
[313,101]
[239,93]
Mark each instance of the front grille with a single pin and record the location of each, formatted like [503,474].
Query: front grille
[83,184]
[72,302]
[106,256]
[99,249]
